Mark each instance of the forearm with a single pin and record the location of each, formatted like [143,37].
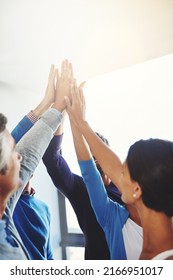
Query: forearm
[58,168]
[107,159]
[33,145]
[81,146]
[42,107]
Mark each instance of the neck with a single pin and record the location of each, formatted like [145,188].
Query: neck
[2,208]
[157,233]
[134,214]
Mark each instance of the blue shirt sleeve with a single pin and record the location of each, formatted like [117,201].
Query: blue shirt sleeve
[96,190]
[21,128]
[102,205]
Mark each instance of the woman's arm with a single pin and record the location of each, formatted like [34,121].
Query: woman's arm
[91,176]
[108,160]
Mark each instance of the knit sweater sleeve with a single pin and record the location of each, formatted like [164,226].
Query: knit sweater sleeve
[33,145]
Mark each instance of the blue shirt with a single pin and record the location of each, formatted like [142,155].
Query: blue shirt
[110,215]
[32,220]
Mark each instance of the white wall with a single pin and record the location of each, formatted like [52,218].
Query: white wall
[124,105]
[98,36]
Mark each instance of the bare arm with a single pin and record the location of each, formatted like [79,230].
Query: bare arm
[80,144]
[107,159]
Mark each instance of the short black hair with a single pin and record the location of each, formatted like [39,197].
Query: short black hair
[150,163]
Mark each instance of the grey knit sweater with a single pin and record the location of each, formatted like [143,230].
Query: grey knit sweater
[32,147]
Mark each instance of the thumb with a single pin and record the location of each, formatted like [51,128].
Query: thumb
[82,85]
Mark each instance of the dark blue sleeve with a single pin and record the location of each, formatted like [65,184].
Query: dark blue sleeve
[58,168]
[21,128]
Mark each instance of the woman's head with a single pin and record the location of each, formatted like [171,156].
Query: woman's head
[150,164]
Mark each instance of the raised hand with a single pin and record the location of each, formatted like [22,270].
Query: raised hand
[49,96]
[51,86]
[76,104]
[63,85]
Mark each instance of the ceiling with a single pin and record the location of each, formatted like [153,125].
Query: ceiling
[97,36]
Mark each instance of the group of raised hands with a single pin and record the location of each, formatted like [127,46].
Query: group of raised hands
[62,92]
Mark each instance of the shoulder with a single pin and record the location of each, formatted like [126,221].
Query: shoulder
[166,255]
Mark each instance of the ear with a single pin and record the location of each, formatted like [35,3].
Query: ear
[137,192]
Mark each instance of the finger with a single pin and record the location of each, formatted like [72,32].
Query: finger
[77,92]
[56,77]
[57,73]
[63,67]
[74,95]
[70,71]
[72,92]
[82,84]
[66,69]
[82,97]
[80,92]
[51,71]
[67,102]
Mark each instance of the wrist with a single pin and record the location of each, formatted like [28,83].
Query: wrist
[32,117]
[59,106]
[41,108]
[82,124]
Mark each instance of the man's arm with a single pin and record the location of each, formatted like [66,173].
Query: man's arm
[57,166]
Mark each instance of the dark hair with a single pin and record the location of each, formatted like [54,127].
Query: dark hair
[150,163]
[102,138]
[3,122]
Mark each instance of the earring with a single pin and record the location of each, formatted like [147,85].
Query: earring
[134,195]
